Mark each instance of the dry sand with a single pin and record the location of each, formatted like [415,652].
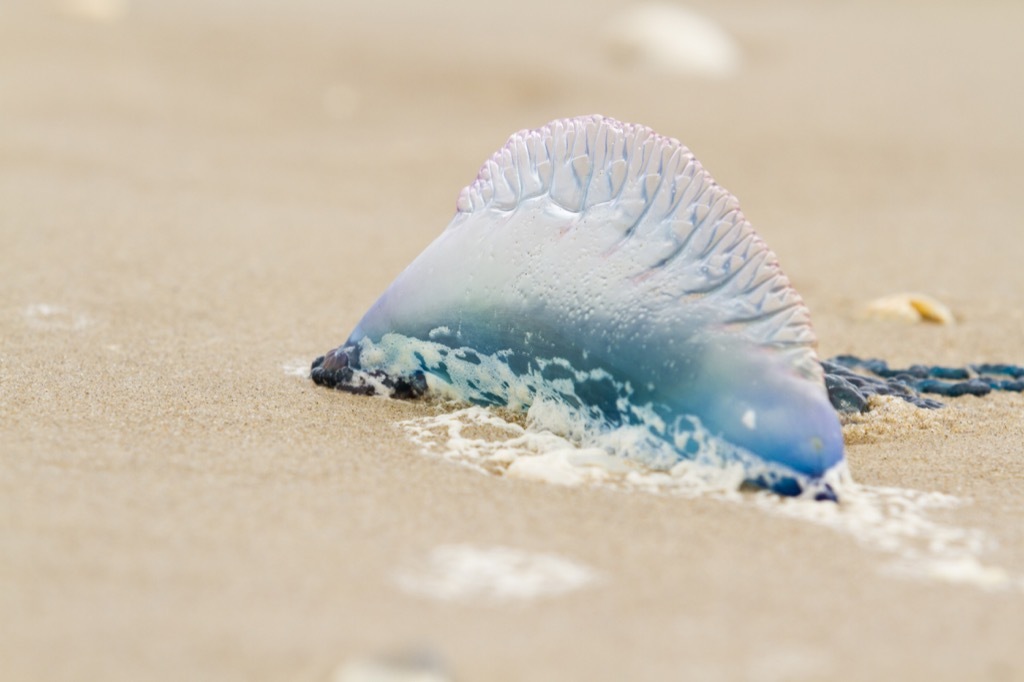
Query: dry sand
[195,198]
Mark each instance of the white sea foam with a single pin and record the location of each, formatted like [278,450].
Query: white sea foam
[536,453]
[491,574]
[55,317]
[898,523]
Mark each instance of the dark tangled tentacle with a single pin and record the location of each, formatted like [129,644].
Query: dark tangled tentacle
[851,381]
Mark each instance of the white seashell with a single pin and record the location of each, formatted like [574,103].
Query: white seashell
[910,307]
[672,39]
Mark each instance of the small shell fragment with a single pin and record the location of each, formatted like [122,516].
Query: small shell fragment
[910,307]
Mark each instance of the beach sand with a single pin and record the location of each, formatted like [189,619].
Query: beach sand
[196,200]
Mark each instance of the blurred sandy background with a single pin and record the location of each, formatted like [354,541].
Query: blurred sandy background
[196,198]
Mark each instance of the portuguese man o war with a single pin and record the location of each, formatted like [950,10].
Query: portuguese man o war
[596,277]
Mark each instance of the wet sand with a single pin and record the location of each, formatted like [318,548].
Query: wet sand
[196,201]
